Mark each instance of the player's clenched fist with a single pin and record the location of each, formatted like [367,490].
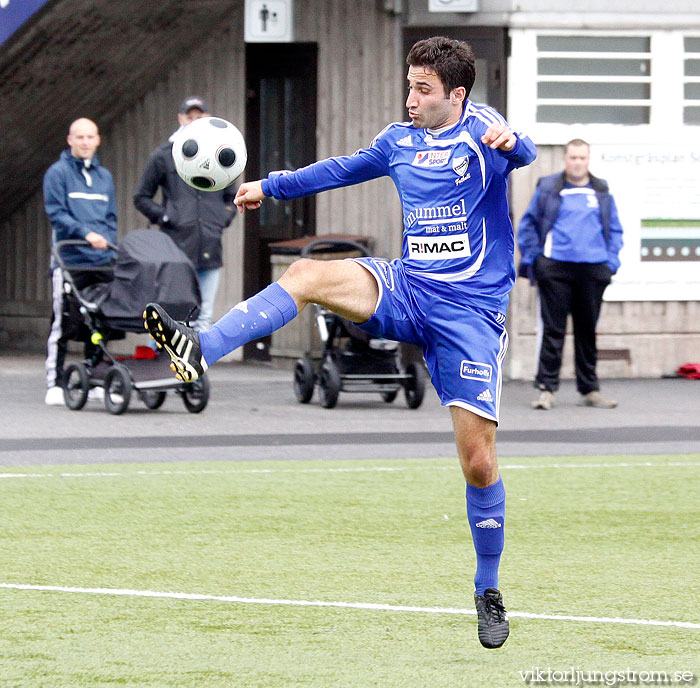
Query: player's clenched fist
[499,136]
[249,196]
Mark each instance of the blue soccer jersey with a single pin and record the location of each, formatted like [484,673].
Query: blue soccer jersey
[458,237]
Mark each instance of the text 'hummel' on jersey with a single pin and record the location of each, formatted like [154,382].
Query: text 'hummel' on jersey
[439,214]
[439,247]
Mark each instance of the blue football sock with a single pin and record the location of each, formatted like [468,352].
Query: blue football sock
[256,317]
[486,511]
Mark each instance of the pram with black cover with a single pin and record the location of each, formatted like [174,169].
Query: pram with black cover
[352,359]
[148,267]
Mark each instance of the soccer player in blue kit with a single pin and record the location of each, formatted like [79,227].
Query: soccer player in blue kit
[448,293]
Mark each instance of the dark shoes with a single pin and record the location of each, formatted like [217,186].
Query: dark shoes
[493,618]
[179,341]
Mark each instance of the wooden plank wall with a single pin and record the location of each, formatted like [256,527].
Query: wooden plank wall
[356,43]
[360,87]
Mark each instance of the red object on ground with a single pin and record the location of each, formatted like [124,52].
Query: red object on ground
[690,370]
[145,352]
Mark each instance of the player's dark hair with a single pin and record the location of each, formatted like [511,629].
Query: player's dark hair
[453,61]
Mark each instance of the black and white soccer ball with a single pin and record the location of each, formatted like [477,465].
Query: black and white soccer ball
[209,153]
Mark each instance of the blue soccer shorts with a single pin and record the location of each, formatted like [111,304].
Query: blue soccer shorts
[464,346]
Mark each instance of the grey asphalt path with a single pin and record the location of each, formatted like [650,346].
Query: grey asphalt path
[253,415]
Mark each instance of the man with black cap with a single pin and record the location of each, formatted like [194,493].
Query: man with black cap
[194,219]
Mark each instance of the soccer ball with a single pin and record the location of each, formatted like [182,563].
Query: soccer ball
[209,153]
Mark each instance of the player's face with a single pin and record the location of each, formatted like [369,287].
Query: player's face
[83,139]
[429,107]
[576,162]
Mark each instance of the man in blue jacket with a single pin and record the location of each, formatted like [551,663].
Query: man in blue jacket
[80,201]
[448,293]
[570,239]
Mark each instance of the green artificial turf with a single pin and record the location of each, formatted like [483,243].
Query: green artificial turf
[607,541]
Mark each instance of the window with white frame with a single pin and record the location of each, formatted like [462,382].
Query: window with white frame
[691,85]
[593,79]
[603,81]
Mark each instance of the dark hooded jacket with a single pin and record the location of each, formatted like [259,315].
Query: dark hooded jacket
[195,219]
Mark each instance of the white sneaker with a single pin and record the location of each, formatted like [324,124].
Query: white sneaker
[96,394]
[544,401]
[54,397]
[596,400]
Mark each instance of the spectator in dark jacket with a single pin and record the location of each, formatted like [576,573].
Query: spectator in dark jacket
[570,238]
[194,219]
[80,201]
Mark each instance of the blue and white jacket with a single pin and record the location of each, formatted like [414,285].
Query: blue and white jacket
[458,237]
[80,199]
[542,214]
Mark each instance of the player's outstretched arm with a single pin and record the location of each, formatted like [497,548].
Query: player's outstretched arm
[249,196]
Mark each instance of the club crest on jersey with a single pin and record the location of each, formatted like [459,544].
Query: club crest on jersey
[432,158]
[460,165]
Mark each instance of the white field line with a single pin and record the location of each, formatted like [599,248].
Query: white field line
[356,469]
[344,605]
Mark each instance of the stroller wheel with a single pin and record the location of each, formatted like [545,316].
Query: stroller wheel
[77,386]
[390,396]
[195,395]
[415,385]
[329,384]
[153,399]
[117,387]
[304,380]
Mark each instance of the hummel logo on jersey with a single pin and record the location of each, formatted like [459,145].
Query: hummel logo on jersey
[485,396]
[488,523]
[205,164]
[405,141]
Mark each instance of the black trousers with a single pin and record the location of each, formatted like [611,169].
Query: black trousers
[564,288]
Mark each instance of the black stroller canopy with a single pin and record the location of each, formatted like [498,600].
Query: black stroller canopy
[150,268]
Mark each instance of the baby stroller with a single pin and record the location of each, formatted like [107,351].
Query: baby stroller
[149,267]
[352,359]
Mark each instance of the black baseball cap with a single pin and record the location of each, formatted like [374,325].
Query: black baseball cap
[193,102]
